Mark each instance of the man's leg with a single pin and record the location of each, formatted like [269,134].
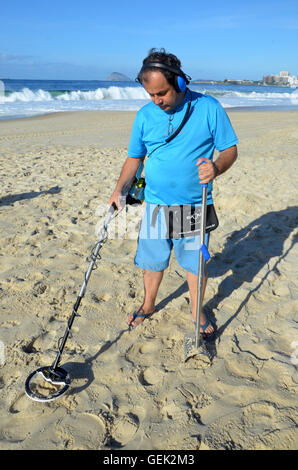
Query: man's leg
[192,281]
[153,255]
[152,280]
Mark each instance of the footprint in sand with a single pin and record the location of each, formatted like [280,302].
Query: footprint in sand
[258,417]
[151,376]
[124,429]
[90,434]
[150,347]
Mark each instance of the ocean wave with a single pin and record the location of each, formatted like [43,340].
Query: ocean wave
[262,95]
[255,98]
[30,102]
[252,95]
[27,95]
[111,93]
[135,93]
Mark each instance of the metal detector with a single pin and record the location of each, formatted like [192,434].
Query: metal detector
[54,375]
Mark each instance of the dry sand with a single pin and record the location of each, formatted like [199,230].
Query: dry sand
[133,390]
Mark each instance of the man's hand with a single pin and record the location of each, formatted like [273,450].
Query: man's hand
[210,170]
[207,172]
[127,175]
[118,199]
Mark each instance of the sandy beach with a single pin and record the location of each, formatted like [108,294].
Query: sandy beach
[133,390]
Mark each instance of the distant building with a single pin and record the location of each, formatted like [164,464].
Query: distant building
[283,79]
[284,74]
[269,79]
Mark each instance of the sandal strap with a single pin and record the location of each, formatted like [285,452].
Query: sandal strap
[206,324]
[139,315]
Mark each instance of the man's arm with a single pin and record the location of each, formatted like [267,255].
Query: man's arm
[211,170]
[127,175]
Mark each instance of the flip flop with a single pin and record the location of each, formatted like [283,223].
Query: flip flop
[205,326]
[138,315]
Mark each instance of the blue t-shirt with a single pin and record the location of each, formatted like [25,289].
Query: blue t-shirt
[171,173]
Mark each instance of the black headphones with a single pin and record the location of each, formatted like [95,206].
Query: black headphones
[180,81]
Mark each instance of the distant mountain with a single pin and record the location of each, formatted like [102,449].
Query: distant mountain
[117,77]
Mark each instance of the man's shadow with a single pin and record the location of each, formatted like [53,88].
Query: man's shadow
[245,253]
[11,198]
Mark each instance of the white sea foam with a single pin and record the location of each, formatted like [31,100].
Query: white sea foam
[294,97]
[2,89]
[27,102]
[254,98]
[111,93]
[138,93]
[27,95]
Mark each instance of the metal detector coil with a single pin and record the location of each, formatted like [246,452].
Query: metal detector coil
[56,376]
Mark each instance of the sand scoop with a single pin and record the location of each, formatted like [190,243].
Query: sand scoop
[194,343]
[56,380]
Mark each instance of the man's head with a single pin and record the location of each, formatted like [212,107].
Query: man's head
[163,79]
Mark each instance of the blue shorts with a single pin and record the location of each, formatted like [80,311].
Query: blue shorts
[154,248]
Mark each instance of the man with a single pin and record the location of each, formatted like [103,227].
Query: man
[174,170]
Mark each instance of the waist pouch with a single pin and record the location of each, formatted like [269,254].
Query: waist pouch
[185,220]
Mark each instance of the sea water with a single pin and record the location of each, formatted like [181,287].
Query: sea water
[25,98]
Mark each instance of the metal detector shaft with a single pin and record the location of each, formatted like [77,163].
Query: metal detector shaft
[95,251]
[201,264]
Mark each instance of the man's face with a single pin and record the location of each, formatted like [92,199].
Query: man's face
[161,92]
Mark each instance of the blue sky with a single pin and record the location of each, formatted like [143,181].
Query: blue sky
[90,39]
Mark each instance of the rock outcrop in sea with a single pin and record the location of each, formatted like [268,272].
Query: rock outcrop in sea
[118,77]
